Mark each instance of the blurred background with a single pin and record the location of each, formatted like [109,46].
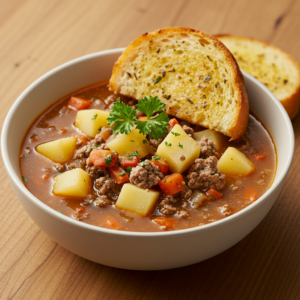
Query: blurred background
[38,35]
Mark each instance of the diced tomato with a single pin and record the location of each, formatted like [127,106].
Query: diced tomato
[213,193]
[103,158]
[172,123]
[251,193]
[82,138]
[80,209]
[162,164]
[143,118]
[79,103]
[166,222]
[129,162]
[111,223]
[259,156]
[172,184]
[119,174]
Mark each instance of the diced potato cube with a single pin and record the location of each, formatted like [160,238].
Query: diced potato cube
[234,162]
[59,151]
[176,144]
[89,121]
[218,138]
[75,183]
[137,200]
[126,144]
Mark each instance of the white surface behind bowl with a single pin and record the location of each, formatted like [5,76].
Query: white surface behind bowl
[137,250]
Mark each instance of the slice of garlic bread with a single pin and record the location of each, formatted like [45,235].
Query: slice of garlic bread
[193,73]
[274,68]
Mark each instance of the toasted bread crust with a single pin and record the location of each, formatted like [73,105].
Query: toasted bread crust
[291,102]
[239,115]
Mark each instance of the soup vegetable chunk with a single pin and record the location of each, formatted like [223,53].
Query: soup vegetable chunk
[113,162]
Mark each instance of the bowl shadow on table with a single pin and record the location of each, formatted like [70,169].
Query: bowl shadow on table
[261,266]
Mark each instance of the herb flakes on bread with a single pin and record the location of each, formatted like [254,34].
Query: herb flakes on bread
[278,71]
[193,73]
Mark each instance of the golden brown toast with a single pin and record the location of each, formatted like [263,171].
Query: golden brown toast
[273,67]
[194,74]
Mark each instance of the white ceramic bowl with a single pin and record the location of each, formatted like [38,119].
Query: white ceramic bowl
[137,250]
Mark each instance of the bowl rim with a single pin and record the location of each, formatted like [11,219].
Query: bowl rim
[16,178]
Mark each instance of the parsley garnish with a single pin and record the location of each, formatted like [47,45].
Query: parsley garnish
[175,133]
[157,80]
[94,117]
[108,159]
[165,180]
[143,163]
[59,211]
[132,155]
[24,155]
[59,172]
[183,182]
[156,157]
[179,145]
[122,174]
[209,147]
[145,142]
[211,197]
[128,169]
[24,179]
[168,144]
[100,128]
[109,178]
[122,116]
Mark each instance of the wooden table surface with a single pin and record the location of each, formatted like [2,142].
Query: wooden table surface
[38,35]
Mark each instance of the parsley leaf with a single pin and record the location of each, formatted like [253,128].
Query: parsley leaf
[94,117]
[168,144]
[175,133]
[122,117]
[128,169]
[150,106]
[24,179]
[212,198]
[156,157]
[132,155]
[145,142]
[122,174]
[179,145]
[108,159]
[143,163]
[100,128]
[157,80]
[183,182]
[59,211]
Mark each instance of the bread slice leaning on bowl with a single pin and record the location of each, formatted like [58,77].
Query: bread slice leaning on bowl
[277,70]
[193,73]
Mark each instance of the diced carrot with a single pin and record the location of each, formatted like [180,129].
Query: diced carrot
[82,138]
[119,174]
[103,158]
[143,118]
[166,222]
[129,162]
[251,193]
[259,156]
[80,209]
[213,193]
[46,176]
[172,123]
[172,184]
[162,164]
[111,223]
[79,103]
[105,135]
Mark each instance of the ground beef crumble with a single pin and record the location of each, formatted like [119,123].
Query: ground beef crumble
[165,206]
[154,143]
[208,148]
[95,172]
[107,186]
[188,130]
[204,174]
[146,176]
[102,201]
[84,152]
[182,213]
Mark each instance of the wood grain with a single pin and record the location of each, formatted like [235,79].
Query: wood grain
[36,36]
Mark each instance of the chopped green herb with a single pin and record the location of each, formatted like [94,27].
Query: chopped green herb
[179,145]
[156,157]
[122,174]
[165,181]
[132,155]
[24,155]
[97,146]
[59,172]
[209,147]
[143,163]
[128,169]
[59,211]
[145,142]
[157,80]
[109,178]
[175,133]
[183,182]
[100,128]
[91,148]
[94,117]
[168,144]
[24,179]
[108,159]
[242,187]
[212,198]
